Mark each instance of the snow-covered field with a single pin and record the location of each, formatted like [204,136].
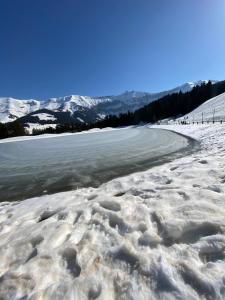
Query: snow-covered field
[158,234]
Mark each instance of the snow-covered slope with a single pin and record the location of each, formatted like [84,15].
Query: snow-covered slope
[213,109]
[44,116]
[186,87]
[71,103]
[11,109]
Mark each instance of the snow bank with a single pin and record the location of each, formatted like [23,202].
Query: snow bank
[158,234]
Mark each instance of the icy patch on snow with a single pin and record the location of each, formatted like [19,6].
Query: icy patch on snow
[158,234]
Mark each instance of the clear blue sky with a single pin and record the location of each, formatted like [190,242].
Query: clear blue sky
[53,48]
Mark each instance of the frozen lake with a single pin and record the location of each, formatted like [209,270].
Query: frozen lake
[43,166]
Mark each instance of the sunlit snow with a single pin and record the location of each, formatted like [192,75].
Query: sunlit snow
[45,117]
[211,110]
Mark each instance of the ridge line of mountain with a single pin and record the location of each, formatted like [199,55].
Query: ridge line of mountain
[81,109]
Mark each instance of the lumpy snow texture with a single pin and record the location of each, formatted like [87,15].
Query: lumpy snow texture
[158,234]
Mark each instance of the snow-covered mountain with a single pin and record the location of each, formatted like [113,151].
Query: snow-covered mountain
[11,109]
[84,108]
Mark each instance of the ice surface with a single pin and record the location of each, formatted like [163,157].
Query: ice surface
[157,234]
[40,166]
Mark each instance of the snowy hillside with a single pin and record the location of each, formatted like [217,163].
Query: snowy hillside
[11,109]
[71,103]
[213,109]
[44,116]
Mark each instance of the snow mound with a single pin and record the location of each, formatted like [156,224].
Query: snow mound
[158,234]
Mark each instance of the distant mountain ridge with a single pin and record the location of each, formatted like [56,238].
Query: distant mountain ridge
[80,109]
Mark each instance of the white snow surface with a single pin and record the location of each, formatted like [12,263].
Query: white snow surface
[38,126]
[158,234]
[11,109]
[213,109]
[71,103]
[45,117]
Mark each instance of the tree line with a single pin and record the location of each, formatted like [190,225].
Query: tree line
[61,128]
[170,106]
[11,129]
